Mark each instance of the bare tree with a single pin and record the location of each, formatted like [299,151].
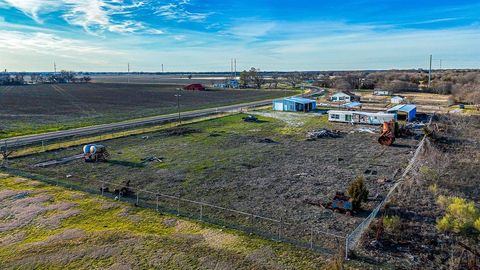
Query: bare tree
[256,77]
[293,78]
[274,81]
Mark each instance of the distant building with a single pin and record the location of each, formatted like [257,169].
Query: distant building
[194,87]
[344,96]
[397,100]
[294,104]
[406,112]
[356,117]
[229,84]
[382,92]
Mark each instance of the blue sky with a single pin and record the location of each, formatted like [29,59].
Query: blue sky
[194,35]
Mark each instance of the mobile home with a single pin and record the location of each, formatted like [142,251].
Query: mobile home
[356,117]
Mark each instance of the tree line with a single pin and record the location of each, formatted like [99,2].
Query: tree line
[61,77]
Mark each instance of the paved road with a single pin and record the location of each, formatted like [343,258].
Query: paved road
[37,138]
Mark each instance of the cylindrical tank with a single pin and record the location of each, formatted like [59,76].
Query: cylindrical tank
[93,149]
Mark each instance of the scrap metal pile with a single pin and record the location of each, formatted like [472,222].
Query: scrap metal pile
[323,133]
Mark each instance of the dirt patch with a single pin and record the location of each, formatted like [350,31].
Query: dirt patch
[290,118]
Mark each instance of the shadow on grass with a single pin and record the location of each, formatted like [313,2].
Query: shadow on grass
[127,163]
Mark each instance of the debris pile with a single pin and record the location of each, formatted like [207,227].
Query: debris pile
[323,133]
[152,159]
[365,130]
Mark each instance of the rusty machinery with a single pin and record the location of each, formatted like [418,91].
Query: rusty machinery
[95,153]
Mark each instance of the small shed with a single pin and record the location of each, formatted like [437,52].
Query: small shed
[397,100]
[356,117]
[406,112]
[294,104]
[194,87]
[344,96]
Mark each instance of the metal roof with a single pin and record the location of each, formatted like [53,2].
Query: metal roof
[403,108]
[353,104]
[298,100]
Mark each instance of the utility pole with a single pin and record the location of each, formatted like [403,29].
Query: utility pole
[162,68]
[128,73]
[178,107]
[54,68]
[235,73]
[430,72]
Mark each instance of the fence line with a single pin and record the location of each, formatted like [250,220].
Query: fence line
[296,233]
[353,238]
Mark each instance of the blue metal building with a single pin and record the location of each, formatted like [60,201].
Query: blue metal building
[406,112]
[294,104]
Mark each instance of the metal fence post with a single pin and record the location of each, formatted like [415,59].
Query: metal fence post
[311,237]
[178,207]
[279,229]
[103,187]
[156,196]
[201,211]
[346,247]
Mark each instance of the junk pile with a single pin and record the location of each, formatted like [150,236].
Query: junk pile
[153,159]
[340,203]
[95,153]
[365,130]
[323,133]
[392,130]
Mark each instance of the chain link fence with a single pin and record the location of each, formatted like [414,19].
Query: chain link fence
[293,232]
[354,237]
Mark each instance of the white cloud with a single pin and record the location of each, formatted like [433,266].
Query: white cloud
[94,16]
[33,8]
[49,44]
[177,11]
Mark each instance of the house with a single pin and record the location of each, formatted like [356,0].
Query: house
[382,93]
[356,117]
[294,104]
[406,112]
[344,96]
[194,87]
[397,100]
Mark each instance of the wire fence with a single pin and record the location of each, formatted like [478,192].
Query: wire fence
[297,233]
[287,231]
[354,237]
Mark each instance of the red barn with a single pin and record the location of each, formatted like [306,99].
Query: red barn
[194,87]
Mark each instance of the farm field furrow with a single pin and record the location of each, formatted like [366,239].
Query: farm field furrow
[32,109]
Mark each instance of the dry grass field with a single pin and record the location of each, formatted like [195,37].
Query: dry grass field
[47,227]
[266,168]
[33,109]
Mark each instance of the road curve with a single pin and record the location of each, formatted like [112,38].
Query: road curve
[84,131]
